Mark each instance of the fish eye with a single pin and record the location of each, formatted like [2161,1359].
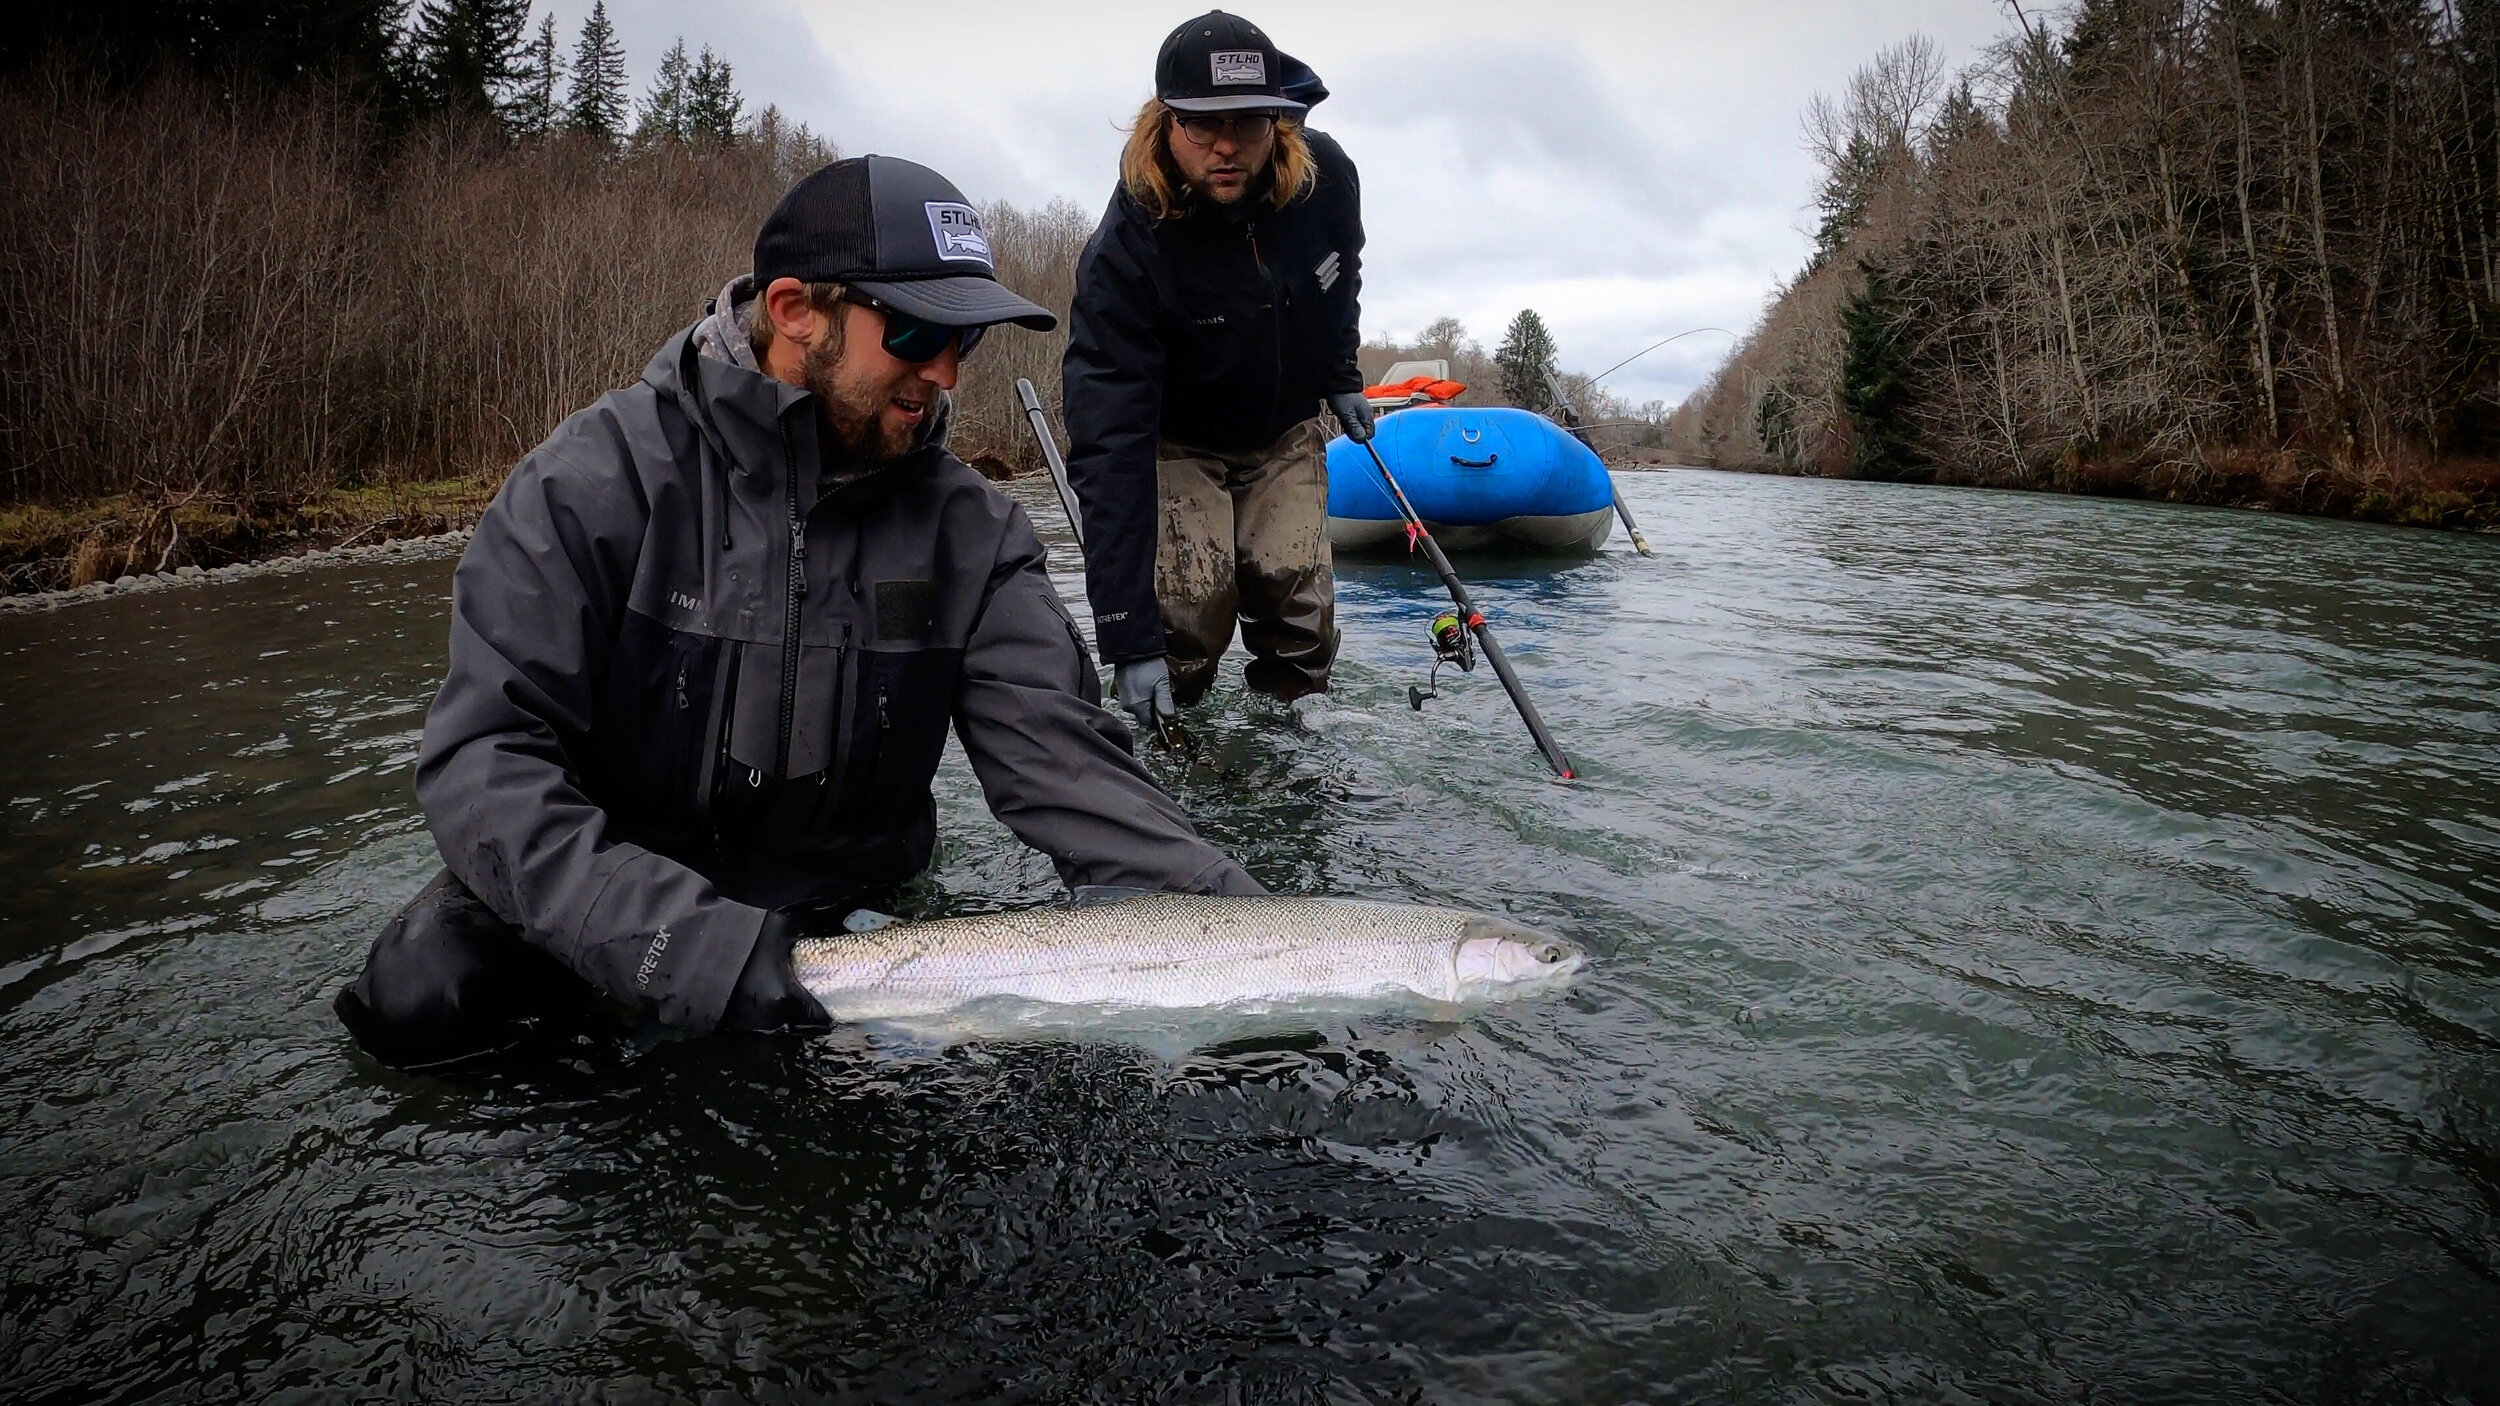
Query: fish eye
[1550,953]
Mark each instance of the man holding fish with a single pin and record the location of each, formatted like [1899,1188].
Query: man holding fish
[708,640]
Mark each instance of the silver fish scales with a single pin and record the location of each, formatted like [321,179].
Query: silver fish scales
[1184,952]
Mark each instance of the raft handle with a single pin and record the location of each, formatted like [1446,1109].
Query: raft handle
[1484,463]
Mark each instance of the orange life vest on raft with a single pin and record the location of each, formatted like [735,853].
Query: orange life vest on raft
[1414,390]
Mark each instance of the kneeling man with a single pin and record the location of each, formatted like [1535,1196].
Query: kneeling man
[707,642]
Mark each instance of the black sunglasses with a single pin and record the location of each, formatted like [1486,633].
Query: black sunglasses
[915,339]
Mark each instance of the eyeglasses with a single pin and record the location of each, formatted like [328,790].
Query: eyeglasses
[1248,129]
[915,339]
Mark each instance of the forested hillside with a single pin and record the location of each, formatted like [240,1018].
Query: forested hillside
[2230,252]
[272,265]
[285,270]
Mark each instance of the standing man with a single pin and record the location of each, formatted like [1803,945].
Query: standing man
[1215,311]
[707,640]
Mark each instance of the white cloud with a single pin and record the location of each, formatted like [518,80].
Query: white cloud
[1627,170]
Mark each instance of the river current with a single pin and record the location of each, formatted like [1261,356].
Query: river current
[2043,949]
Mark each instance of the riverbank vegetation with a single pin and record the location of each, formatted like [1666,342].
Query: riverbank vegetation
[285,272]
[256,288]
[2205,250]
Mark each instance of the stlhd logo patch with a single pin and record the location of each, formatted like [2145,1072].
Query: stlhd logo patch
[1239,66]
[957,230]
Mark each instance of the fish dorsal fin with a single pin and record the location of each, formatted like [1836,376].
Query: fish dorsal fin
[1094,895]
[866,920]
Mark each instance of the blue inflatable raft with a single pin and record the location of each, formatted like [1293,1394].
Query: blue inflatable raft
[1477,477]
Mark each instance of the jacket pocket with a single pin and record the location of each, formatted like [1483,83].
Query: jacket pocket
[904,704]
[655,726]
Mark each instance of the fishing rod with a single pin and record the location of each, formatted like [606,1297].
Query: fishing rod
[1168,731]
[1580,432]
[1050,455]
[1680,336]
[1467,618]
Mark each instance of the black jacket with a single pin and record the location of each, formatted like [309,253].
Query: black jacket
[630,762]
[1219,328]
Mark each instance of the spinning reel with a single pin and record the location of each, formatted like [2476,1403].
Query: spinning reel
[1451,644]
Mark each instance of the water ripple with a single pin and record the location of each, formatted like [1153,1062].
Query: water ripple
[2045,950]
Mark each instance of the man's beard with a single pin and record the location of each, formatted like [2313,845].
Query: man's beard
[857,414]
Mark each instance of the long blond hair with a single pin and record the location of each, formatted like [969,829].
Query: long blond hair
[1147,169]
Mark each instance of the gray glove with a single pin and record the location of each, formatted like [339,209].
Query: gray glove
[1353,412]
[1144,687]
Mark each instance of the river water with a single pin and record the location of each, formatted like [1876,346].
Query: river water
[2044,949]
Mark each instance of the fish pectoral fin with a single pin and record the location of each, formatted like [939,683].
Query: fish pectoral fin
[1090,895]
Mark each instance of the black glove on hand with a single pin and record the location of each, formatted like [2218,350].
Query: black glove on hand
[768,995]
[1353,412]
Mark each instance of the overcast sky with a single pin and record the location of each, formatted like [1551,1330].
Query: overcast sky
[1628,170]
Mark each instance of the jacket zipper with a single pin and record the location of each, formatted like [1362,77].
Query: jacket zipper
[832,777]
[796,590]
[1283,295]
[720,746]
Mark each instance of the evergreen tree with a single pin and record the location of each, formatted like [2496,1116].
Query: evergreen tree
[663,115]
[1526,357]
[275,43]
[1843,198]
[534,111]
[1875,385]
[712,102]
[1959,119]
[466,54]
[595,104]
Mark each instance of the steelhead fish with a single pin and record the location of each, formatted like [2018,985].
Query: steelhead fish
[1177,954]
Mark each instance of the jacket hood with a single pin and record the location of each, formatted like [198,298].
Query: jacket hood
[728,321]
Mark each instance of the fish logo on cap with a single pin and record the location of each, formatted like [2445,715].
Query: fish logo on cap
[1239,66]
[957,230]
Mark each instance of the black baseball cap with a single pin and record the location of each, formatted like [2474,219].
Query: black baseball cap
[898,232]
[1224,63]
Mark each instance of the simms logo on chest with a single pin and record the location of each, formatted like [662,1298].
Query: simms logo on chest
[957,230]
[1239,66]
[651,959]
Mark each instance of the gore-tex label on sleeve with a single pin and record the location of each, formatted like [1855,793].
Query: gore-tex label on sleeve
[1239,66]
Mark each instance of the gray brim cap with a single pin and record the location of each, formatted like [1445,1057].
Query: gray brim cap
[898,232]
[958,302]
[1238,102]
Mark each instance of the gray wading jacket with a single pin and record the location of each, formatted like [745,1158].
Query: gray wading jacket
[628,763]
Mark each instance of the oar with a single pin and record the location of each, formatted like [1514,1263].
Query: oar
[1571,422]
[1168,731]
[1417,534]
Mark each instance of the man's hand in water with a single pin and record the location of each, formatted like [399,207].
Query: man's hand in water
[1144,687]
[768,995]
